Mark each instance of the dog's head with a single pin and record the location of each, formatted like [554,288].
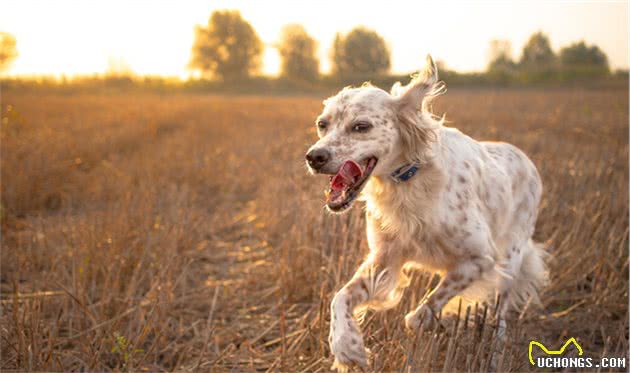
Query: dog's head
[367,132]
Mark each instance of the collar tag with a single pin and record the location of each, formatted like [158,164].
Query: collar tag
[404,173]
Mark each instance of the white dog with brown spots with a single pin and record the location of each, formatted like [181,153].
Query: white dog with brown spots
[435,198]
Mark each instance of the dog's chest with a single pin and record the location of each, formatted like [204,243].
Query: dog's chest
[415,244]
[405,218]
[398,218]
[404,209]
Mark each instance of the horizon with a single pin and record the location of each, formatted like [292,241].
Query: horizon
[155,38]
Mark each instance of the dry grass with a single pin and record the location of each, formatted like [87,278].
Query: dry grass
[181,232]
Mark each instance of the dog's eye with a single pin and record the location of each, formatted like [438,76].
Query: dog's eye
[361,127]
[322,124]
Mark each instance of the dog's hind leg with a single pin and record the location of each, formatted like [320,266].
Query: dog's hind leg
[527,275]
[522,274]
[523,259]
[455,281]
[374,285]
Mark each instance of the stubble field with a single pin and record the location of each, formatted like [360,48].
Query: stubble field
[181,232]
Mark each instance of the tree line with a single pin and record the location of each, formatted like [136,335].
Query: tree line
[229,49]
[539,62]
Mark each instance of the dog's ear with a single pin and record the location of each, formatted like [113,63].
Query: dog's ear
[423,87]
[409,100]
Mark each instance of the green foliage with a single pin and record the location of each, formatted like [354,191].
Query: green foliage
[500,57]
[227,49]
[362,52]
[582,54]
[8,50]
[581,59]
[537,53]
[501,70]
[298,52]
[538,64]
[124,350]
[501,67]
[577,64]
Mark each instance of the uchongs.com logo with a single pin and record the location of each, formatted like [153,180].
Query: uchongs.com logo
[557,359]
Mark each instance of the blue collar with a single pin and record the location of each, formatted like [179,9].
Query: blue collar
[404,173]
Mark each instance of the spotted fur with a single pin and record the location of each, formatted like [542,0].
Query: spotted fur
[469,213]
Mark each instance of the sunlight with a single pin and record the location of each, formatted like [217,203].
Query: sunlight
[227,185]
[155,38]
[271,61]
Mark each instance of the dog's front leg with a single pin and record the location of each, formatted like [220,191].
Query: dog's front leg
[374,282]
[454,282]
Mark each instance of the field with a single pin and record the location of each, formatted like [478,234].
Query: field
[181,232]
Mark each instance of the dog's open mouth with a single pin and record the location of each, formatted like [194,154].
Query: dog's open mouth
[346,185]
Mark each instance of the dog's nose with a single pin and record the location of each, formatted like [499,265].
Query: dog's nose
[317,158]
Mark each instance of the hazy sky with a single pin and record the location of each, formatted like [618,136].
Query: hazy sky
[154,37]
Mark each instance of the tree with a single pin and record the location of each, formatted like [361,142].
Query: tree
[501,67]
[298,53]
[362,52]
[580,54]
[8,50]
[500,56]
[228,48]
[537,52]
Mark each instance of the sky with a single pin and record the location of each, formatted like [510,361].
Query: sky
[65,37]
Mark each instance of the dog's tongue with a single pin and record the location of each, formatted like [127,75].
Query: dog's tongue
[347,175]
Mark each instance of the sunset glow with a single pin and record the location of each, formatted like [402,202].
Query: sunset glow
[155,37]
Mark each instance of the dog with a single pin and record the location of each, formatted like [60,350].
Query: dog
[434,198]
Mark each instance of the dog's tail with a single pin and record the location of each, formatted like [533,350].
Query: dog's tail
[531,277]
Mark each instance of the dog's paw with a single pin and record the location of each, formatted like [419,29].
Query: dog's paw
[348,348]
[423,315]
